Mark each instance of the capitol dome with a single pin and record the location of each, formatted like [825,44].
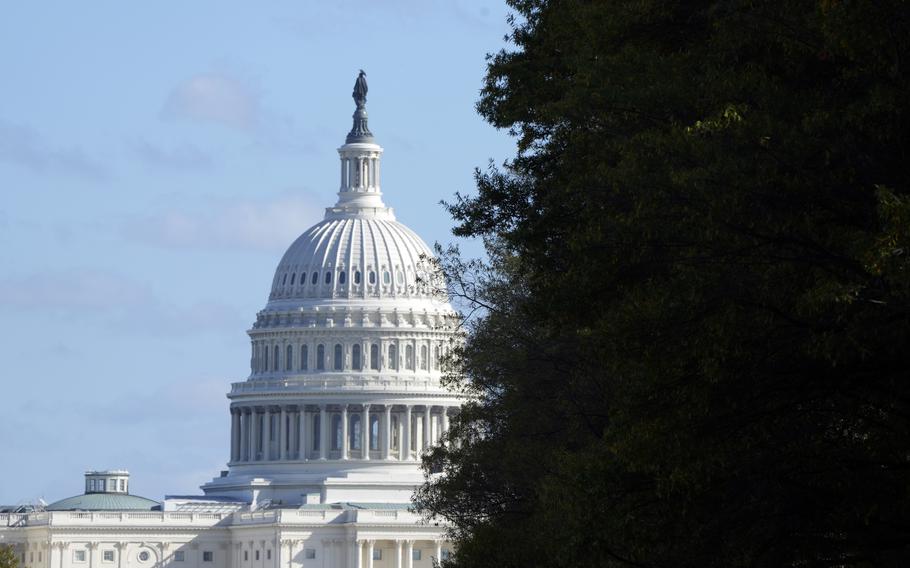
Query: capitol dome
[345,391]
[354,255]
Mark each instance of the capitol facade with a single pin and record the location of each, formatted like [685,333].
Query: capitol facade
[344,395]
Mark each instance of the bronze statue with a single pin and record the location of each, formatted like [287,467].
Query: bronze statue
[360,90]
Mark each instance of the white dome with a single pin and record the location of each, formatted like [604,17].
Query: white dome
[351,256]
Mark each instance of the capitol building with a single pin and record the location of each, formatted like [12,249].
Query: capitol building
[344,395]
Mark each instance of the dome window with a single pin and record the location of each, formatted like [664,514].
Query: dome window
[355,357]
[293,275]
[372,277]
[275,362]
[374,431]
[374,357]
[399,278]
[320,358]
[265,358]
[386,278]
[423,357]
[315,278]
[357,277]
[285,279]
[342,278]
[354,431]
[289,358]
[409,357]
[302,278]
[336,428]
[304,357]
[339,358]
[393,357]
[328,277]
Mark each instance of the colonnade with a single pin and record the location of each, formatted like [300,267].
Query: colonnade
[269,432]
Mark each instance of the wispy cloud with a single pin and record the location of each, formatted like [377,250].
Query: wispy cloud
[184,157]
[214,97]
[23,147]
[262,225]
[112,300]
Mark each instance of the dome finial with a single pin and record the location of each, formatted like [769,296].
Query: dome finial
[360,131]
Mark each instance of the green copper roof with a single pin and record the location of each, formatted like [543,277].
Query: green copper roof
[104,502]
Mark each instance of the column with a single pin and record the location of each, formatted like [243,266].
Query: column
[254,432]
[365,432]
[387,443]
[406,439]
[426,427]
[323,429]
[409,553]
[283,435]
[399,545]
[369,554]
[267,434]
[301,437]
[244,434]
[357,553]
[344,431]
[438,551]
[235,435]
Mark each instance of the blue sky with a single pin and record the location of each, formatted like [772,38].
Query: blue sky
[155,161]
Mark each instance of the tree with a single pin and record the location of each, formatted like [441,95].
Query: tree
[692,347]
[8,557]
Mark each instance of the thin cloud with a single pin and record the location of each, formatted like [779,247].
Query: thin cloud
[267,225]
[112,300]
[215,98]
[22,147]
[184,157]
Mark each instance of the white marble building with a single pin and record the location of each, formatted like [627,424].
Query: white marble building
[343,396]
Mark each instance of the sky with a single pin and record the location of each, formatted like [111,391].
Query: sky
[156,159]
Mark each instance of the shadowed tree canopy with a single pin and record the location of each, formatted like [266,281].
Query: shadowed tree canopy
[693,340]
[8,557]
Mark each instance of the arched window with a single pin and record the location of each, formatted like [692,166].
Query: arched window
[336,432]
[285,279]
[423,357]
[409,357]
[355,357]
[393,357]
[275,361]
[304,357]
[357,277]
[374,357]
[302,278]
[293,275]
[320,357]
[372,277]
[289,358]
[386,278]
[436,359]
[265,358]
[317,431]
[374,431]
[399,279]
[328,277]
[339,358]
[395,433]
[342,278]
[354,431]
[315,278]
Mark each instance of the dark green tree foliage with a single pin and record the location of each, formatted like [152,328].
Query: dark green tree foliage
[694,347]
[8,557]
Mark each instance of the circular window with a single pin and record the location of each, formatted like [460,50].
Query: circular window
[144,556]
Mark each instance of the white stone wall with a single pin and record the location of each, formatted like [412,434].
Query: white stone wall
[288,538]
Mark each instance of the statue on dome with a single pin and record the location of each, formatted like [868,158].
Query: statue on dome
[360,90]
